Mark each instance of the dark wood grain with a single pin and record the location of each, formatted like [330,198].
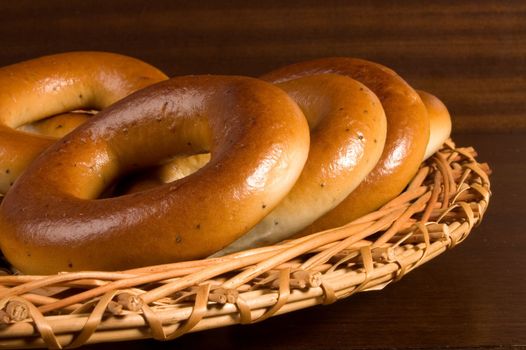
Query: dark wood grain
[471,54]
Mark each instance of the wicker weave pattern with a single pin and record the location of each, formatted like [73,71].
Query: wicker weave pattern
[445,200]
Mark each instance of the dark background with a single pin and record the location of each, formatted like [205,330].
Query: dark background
[470,54]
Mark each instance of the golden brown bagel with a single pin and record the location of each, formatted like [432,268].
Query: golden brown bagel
[50,85]
[348,129]
[407,134]
[258,139]
[439,122]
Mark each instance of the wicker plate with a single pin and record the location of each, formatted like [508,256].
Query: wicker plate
[445,200]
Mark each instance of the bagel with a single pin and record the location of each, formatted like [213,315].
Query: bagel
[51,85]
[348,129]
[439,122]
[258,138]
[406,141]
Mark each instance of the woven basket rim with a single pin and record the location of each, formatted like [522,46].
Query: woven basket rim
[445,200]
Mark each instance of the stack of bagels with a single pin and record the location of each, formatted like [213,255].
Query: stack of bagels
[106,164]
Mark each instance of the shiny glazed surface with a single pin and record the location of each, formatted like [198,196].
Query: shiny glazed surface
[348,130]
[439,122]
[258,139]
[50,85]
[407,134]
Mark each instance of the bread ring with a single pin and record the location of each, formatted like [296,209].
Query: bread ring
[348,129]
[407,134]
[439,122]
[50,85]
[259,142]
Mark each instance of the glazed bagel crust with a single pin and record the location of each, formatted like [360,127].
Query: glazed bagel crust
[439,122]
[258,139]
[51,85]
[348,129]
[407,134]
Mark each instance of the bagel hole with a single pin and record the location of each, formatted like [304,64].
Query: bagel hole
[143,179]
[58,125]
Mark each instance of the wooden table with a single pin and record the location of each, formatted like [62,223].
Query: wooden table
[471,54]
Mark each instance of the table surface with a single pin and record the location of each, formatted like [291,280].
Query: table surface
[470,54]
